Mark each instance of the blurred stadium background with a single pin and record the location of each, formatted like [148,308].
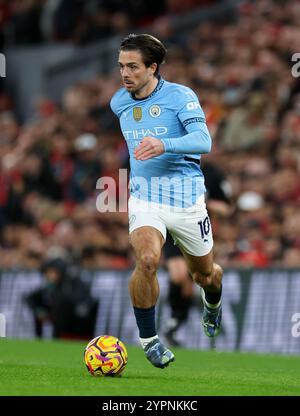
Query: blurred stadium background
[58,136]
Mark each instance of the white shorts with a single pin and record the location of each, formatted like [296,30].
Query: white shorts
[189,227]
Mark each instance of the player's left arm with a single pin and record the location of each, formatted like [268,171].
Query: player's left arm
[196,141]
[191,116]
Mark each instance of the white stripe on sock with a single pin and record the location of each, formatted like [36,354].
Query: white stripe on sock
[145,341]
[211,305]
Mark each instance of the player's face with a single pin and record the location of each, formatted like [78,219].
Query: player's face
[135,75]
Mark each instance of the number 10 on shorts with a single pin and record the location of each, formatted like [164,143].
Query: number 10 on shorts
[204,227]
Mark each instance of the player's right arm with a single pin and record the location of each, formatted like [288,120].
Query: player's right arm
[149,147]
[116,102]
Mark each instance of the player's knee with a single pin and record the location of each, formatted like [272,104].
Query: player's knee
[203,278]
[148,262]
[218,271]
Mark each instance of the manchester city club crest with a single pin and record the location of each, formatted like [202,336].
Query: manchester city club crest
[137,113]
[155,110]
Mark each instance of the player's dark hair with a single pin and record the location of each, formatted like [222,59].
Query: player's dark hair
[152,49]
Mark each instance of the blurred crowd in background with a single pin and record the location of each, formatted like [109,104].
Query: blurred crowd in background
[242,74]
[27,22]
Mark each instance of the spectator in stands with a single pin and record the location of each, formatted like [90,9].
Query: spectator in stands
[87,168]
[64,301]
[23,27]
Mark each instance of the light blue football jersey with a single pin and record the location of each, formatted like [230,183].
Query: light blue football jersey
[171,113]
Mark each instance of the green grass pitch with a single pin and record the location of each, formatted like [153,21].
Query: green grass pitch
[56,368]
